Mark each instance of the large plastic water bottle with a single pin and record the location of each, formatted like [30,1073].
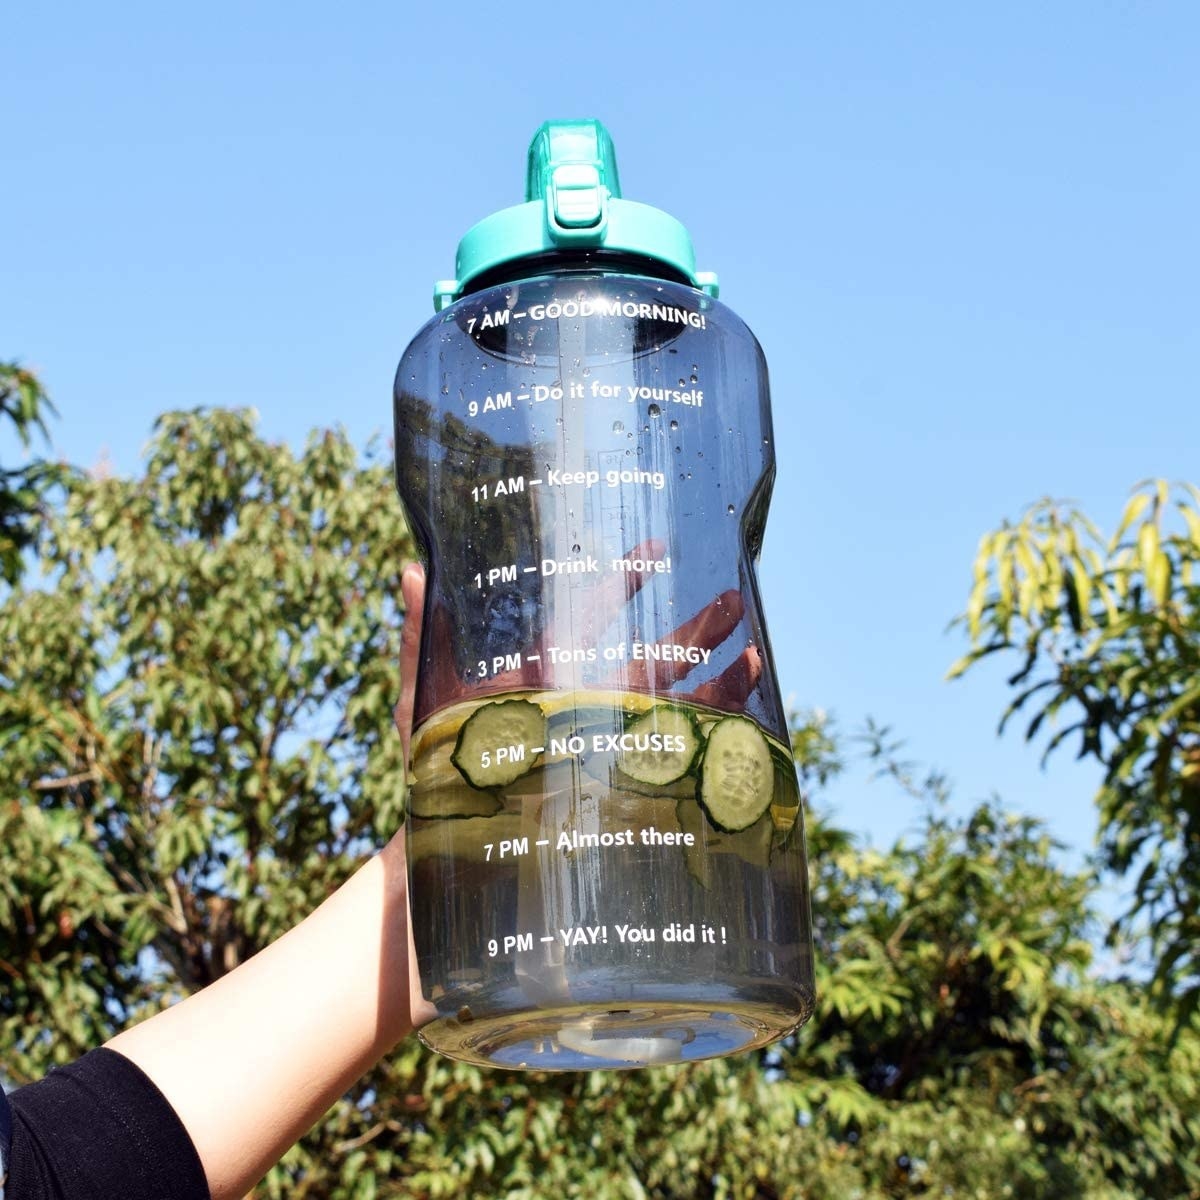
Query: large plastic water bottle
[606,838]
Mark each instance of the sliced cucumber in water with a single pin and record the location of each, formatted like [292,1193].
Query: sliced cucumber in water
[500,742]
[737,774]
[436,803]
[438,790]
[691,820]
[752,845]
[662,745]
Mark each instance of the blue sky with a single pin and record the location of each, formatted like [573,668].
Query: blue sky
[965,236]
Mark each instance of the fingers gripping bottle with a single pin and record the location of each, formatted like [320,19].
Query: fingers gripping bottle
[605,835]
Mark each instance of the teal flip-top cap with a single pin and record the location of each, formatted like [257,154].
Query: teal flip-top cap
[572,202]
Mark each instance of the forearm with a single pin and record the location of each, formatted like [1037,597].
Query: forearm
[252,1061]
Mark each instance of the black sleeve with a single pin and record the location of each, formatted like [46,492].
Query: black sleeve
[98,1130]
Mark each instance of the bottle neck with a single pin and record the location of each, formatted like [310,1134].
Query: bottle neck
[574,262]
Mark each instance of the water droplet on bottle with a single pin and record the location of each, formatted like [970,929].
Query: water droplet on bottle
[682,381]
[654,411]
[576,548]
[695,378]
[729,510]
[618,427]
[674,424]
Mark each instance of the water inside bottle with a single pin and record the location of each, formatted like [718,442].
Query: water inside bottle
[578,911]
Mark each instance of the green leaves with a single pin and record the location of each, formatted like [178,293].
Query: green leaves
[196,746]
[24,489]
[960,1045]
[1116,650]
[196,712]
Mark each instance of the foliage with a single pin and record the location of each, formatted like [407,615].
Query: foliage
[24,406]
[1108,631]
[958,1050]
[960,1047]
[195,734]
[196,745]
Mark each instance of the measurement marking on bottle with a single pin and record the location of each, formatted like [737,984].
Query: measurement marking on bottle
[543,842]
[549,938]
[506,574]
[533,658]
[499,755]
[533,481]
[510,942]
[508,848]
[529,570]
[509,486]
[500,664]
[490,404]
[489,319]
[522,395]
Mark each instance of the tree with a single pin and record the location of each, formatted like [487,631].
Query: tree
[961,1046]
[1107,631]
[195,720]
[24,406]
[196,745]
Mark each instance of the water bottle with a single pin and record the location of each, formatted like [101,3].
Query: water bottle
[606,845]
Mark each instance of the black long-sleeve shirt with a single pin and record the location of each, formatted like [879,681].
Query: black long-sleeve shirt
[96,1130]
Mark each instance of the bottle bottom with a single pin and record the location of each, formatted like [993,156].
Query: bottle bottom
[581,913]
[592,1037]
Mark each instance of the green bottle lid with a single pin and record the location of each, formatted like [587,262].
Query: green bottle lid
[572,202]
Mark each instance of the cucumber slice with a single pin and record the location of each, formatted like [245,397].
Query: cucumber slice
[737,774]
[464,839]
[691,820]
[437,790]
[752,844]
[621,784]
[669,741]
[437,803]
[500,742]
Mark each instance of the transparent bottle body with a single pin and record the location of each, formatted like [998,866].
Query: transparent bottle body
[606,841]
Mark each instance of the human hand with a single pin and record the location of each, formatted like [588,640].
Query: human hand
[412,588]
